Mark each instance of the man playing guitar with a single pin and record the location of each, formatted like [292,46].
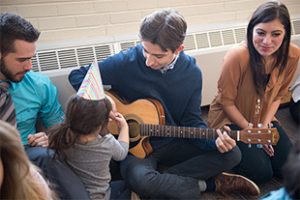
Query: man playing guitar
[157,68]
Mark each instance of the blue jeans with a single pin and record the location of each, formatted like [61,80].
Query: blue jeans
[65,182]
[186,165]
[119,190]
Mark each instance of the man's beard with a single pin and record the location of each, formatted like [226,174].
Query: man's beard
[8,75]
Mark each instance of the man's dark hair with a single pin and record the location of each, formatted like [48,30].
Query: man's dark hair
[166,28]
[13,27]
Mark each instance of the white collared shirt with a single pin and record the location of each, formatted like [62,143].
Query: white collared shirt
[169,66]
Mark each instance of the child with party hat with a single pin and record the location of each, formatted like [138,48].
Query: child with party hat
[83,141]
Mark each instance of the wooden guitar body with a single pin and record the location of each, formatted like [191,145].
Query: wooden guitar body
[145,117]
[142,111]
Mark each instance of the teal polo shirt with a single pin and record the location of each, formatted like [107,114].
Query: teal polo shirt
[35,97]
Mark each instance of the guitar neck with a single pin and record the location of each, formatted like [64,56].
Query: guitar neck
[182,132]
[149,123]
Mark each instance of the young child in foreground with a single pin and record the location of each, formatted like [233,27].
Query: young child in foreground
[19,178]
[84,143]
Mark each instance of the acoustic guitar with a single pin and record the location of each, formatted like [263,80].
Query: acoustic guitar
[145,117]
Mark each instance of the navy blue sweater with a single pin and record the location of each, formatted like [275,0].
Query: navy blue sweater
[178,90]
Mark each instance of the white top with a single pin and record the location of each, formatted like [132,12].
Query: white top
[296,90]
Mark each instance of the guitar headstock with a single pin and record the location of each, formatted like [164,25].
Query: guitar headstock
[259,136]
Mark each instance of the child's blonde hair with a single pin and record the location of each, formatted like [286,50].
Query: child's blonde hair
[18,180]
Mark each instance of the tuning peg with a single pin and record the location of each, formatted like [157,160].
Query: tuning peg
[269,141]
[259,146]
[249,144]
[270,125]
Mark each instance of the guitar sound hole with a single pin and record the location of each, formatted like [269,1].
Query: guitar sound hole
[133,128]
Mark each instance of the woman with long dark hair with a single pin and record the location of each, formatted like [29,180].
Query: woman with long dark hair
[254,78]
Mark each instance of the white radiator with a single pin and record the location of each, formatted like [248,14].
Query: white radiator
[207,47]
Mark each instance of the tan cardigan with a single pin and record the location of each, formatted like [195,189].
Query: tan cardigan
[236,87]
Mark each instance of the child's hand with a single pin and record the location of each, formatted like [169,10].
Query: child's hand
[121,121]
[112,115]
[38,139]
[123,127]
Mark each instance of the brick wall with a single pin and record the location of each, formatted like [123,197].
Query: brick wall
[80,22]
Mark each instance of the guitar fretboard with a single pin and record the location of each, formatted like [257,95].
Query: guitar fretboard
[182,132]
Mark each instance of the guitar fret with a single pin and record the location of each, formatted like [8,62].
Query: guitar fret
[167,130]
[148,129]
[151,130]
[174,130]
[158,131]
[206,133]
[180,131]
[260,136]
[197,131]
[154,130]
[253,136]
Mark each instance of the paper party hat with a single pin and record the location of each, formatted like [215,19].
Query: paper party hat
[91,86]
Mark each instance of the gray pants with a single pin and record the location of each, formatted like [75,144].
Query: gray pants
[186,165]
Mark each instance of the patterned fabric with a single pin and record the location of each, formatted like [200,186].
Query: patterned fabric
[92,87]
[7,110]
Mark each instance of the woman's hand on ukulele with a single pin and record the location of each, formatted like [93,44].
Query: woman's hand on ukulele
[269,149]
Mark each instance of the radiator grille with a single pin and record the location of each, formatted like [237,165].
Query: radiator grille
[202,40]
[228,37]
[79,56]
[67,58]
[48,60]
[296,27]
